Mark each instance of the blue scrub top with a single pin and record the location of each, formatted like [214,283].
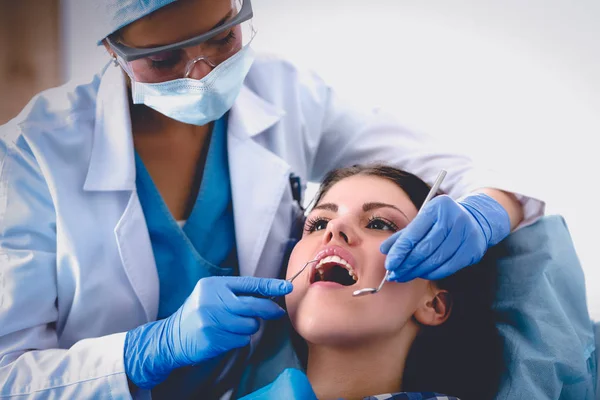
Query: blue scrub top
[204,247]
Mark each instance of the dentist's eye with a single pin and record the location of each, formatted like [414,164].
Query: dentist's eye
[382,224]
[166,59]
[223,41]
[315,224]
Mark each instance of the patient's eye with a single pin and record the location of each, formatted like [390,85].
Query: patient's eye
[315,224]
[382,224]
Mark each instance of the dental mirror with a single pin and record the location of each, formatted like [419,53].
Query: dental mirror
[432,192]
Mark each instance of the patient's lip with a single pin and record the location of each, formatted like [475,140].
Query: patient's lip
[333,251]
[336,251]
[329,285]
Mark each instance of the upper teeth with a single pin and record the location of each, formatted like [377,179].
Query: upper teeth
[336,260]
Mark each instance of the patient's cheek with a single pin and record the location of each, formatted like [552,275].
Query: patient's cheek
[292,299]
[336,318]
[292,305]
[295,261]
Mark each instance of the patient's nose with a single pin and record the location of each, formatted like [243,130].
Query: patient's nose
[338,230]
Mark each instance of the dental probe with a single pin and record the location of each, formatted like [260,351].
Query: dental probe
[297,274]
[301,269]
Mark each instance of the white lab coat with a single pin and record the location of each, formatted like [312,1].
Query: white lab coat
[76,262]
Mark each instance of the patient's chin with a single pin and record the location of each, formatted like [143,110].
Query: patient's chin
[342,326]
[330,327]
[330,336]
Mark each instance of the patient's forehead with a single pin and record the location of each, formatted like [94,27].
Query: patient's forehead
[350,194]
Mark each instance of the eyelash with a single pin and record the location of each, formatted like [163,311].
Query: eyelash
[167,63]
[311,223]
[226,40]
[386,221]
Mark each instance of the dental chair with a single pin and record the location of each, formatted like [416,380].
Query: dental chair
[549,340]
[542,315]
[597,333]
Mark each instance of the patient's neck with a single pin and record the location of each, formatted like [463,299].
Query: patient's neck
[358,371]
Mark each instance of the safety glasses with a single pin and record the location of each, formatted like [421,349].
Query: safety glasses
[178,60]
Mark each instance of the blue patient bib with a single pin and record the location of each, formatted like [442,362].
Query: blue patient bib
[204,247]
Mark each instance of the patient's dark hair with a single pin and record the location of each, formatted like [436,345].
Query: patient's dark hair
[463,356]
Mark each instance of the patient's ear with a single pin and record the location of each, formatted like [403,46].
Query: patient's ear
[436,307]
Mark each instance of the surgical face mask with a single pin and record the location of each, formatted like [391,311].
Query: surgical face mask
[198,102]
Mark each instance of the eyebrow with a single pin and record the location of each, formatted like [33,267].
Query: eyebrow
[327,206]
[366,207]
[376,205]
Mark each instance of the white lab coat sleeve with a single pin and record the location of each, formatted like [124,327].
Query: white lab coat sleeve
[31,363]
[340,136]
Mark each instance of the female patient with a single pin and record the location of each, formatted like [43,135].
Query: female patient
[420,336]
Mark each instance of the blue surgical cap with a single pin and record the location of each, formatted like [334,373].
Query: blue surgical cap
[114,14]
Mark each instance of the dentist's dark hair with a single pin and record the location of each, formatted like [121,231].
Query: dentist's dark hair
[462,357]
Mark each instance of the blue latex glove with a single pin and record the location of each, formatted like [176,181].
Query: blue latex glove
[445,237]
[212,321]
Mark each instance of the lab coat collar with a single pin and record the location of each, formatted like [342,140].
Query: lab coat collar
[258,177]
[112,165]
[258,181]
[251,114]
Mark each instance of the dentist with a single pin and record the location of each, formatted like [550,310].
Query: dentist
[145,214]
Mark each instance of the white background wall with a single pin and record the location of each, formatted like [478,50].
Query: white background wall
[513,83]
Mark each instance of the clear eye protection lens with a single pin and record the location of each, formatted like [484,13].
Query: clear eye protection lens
[228,44]
[199,54]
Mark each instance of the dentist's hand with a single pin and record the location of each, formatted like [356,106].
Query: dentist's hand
[212,321]
[445,237]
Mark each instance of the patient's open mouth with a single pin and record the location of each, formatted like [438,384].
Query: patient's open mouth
[334,269]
